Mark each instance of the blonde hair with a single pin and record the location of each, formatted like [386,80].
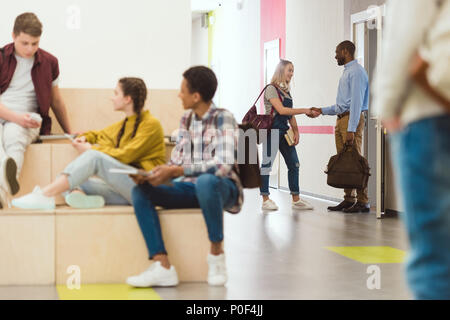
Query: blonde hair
[278,78]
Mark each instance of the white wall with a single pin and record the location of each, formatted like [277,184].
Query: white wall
[199,45]
[236,56]
[313,29]
[149,39]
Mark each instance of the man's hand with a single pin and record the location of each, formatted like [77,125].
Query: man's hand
[139,178]
[418,72]
[418,69]
[350,138]
[164,173]
[24,120]
[315,112]
[310,113]
[81,146]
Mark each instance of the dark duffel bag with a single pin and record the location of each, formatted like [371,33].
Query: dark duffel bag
[249,172]
[348,169]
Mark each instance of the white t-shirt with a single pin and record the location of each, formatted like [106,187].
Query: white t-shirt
[20,95]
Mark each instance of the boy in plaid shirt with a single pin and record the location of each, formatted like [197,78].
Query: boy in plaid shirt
[205,178]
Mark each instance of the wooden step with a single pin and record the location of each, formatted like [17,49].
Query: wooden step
[38,247]
[108,246]
[27,247]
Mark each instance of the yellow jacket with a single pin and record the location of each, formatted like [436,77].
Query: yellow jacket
[146,150]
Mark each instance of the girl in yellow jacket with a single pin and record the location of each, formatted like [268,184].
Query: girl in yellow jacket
[135,142]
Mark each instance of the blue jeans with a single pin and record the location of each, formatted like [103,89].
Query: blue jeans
[289,154]
[421,154]
[210,193]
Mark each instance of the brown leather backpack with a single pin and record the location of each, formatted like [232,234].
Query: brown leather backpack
[348,169]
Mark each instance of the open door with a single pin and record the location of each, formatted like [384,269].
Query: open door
[366,31]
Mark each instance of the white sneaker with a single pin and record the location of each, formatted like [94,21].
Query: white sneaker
[82,201]
[217,272]
[302,205]
[269,205]
[35,200]
[9,176]
[155,276]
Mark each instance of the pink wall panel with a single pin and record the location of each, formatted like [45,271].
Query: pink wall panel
[273,26]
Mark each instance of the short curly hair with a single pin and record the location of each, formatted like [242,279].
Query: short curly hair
[347,45]
[202,80]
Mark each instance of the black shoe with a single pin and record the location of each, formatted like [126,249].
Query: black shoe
[358,207]
[343,205]
[9,168]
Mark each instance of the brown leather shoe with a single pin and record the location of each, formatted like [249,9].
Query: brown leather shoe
[343,205]
[358,207]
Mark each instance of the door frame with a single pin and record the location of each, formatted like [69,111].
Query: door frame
[274,180]
[374,13]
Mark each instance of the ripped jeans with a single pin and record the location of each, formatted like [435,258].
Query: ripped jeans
[115,188]
[289,154]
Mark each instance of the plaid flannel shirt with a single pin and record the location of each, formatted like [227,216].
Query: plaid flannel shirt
[213,142]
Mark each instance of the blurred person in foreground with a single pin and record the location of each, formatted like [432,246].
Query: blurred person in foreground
[417,115]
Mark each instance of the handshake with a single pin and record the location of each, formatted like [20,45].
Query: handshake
[314,112]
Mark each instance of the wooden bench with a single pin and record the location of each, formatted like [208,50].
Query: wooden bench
[38,247]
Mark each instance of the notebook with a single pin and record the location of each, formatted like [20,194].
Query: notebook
[289,136]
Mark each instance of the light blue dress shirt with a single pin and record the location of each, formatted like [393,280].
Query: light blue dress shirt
[353,94]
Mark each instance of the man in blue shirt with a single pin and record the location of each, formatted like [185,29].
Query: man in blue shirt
[352,100]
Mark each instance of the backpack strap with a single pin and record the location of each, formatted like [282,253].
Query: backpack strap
[279,96]
[189,120]
[263,90]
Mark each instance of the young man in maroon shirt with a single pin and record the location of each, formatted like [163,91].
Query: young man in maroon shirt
[28,88]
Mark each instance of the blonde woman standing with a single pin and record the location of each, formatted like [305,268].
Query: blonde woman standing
[278,97]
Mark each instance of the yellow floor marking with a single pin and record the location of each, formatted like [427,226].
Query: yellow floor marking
[373,254]
[107,292]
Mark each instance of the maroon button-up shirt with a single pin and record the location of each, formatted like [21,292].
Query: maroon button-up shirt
[45,70]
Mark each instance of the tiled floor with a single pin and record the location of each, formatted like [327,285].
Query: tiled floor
[285,255]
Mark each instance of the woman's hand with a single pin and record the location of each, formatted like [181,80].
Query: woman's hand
[81,146]
[81,139]
[296,138]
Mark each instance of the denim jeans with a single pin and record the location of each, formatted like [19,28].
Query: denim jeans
[115,188]
[289,154]
[421,154]
[211,193]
